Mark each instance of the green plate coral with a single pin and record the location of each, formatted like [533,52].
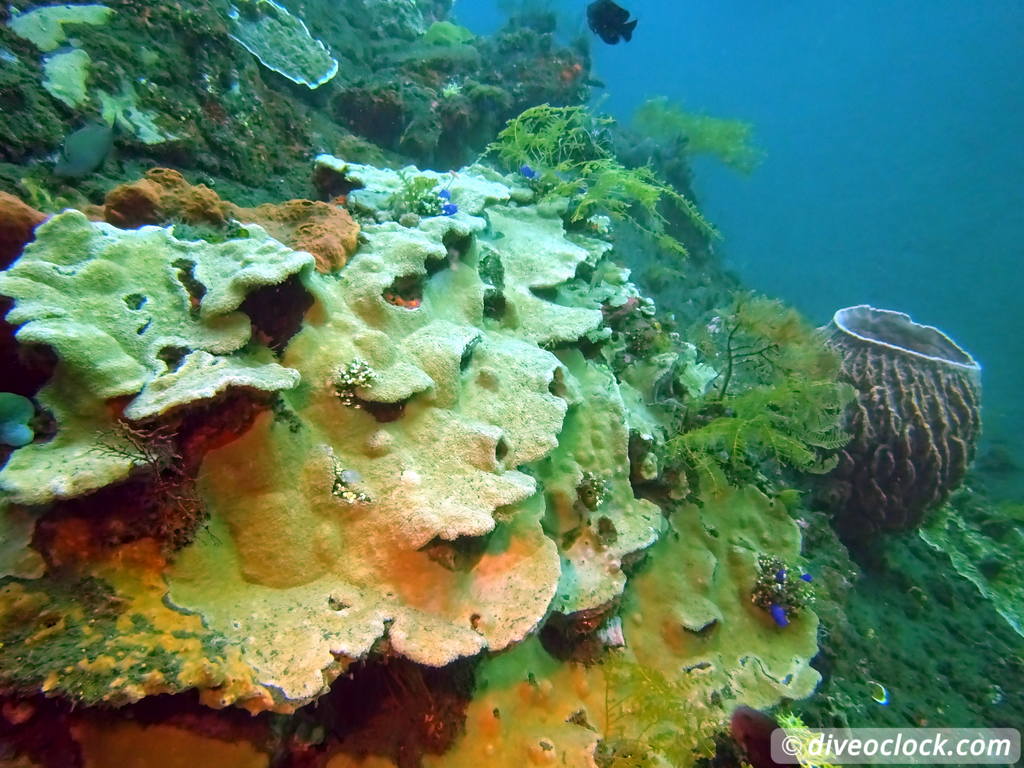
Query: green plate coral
[437,468]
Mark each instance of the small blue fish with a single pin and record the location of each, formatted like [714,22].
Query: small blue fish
[779,615]
[444,194]
[449,209]
[807,577]
[780,575]
[527,171]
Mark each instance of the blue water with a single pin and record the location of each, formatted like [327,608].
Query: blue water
[894,140]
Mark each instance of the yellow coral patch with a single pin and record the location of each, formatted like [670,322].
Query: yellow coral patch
[690,629]
[529,709]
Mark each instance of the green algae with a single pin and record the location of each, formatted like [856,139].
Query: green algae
[729,141]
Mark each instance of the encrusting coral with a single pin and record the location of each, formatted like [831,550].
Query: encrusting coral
[431,466]
[695,646]
[132,314]
[598,538]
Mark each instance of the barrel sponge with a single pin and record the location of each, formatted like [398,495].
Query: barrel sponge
[914,424]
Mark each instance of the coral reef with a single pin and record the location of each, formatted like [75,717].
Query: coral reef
[137,315]
[416,480]
[163,196]
[685,663]
[15,413]
[281,42]
[565,152]
[442,97]
[44,26]
[363,465]
[780,591]
[905,620]
[65,74]
[982,540]
[414,88]
[776,396]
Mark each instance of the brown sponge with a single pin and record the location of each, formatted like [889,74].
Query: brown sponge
[914,424]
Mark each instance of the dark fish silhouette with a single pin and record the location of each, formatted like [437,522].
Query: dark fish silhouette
[609,21]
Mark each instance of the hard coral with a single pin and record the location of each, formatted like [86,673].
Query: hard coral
[441,520]
[108,303]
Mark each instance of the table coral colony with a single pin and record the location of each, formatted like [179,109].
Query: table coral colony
[252,513]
